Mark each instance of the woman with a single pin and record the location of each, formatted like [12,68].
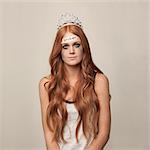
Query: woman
[75,98]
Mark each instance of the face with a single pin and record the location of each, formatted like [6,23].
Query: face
[72,51]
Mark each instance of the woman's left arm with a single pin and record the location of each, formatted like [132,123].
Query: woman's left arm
[102,91]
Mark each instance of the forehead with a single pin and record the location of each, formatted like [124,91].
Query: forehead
[69,38]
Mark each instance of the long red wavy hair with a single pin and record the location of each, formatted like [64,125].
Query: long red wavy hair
[86,101]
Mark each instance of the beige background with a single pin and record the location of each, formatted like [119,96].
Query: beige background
[118,36]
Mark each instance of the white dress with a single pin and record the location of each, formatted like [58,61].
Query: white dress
[69,132]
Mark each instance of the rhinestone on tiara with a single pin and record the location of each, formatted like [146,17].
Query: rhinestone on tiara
[67,19]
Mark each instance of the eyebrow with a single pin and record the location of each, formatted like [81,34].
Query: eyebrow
[77,42]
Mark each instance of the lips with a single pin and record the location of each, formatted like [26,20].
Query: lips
[72,57]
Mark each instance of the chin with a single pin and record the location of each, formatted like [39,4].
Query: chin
[73,64]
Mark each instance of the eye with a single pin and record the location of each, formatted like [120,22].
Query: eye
[65,46]
[77,45]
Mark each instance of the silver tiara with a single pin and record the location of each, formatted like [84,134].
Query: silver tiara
[68,19]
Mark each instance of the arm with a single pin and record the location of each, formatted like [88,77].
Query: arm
[44,101]
[102,91]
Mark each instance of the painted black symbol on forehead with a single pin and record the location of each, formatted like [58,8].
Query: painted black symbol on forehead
[70,38]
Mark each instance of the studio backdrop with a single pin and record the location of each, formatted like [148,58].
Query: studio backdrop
[118,37]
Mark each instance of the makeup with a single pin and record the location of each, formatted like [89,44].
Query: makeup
[69,39]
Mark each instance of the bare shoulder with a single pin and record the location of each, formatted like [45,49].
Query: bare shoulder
[102,85]
[44,81]
[101,79]
[43,91]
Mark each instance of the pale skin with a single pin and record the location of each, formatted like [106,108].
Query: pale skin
[71,47]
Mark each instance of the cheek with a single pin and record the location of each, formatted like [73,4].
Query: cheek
[63,55]
[80,53]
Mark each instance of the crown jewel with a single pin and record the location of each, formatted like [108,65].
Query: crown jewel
[68,18]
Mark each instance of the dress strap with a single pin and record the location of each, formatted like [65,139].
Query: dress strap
[67,101]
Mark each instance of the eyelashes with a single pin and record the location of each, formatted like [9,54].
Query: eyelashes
[65,46]
[77,45]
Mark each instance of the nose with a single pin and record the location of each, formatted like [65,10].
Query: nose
[71,49]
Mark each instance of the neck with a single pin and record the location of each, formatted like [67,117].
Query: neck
[72,73]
